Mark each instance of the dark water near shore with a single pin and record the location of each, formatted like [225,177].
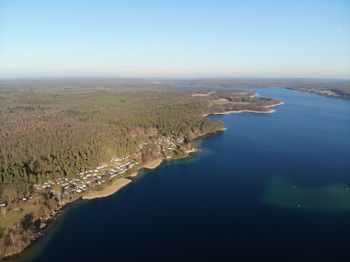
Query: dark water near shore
[273,186]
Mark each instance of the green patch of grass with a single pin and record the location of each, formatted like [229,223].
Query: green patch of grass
[10,218]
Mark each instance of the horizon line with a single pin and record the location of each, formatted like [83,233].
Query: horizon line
[168,77]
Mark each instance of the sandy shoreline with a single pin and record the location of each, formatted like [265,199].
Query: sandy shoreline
[190,151]
[243,111]
[119,183]
[247,111]
[278,104]
[108,190]
[153,164]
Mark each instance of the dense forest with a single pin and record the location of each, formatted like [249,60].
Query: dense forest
[49,131]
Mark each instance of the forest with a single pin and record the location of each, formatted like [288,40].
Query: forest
[50,130]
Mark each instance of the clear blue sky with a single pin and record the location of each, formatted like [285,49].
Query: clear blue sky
[175,38]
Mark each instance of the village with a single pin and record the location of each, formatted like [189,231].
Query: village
[324,92]
[88,180]
[64,189]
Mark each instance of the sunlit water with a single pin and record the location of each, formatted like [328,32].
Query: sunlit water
[273,186]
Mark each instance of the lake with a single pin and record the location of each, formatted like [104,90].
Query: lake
[273,186]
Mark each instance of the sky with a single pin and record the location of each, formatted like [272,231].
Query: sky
[175,38]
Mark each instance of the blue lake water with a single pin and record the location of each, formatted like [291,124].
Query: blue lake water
[273,186]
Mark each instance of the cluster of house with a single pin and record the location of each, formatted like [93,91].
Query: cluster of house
[168,144]
[102,174]
[324,92]
[89,178]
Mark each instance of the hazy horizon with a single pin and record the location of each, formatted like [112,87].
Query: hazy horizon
[182,39]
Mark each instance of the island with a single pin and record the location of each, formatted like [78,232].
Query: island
[68,140]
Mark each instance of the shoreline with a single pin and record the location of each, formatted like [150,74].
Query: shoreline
[270,111]
[278,104]
[190,151]
[153,164]
[243,111]
[108,190]
[119,183]
[240,111]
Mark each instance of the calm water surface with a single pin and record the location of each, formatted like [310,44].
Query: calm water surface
[273,186]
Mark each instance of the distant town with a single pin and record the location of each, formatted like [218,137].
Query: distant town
[324,92]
